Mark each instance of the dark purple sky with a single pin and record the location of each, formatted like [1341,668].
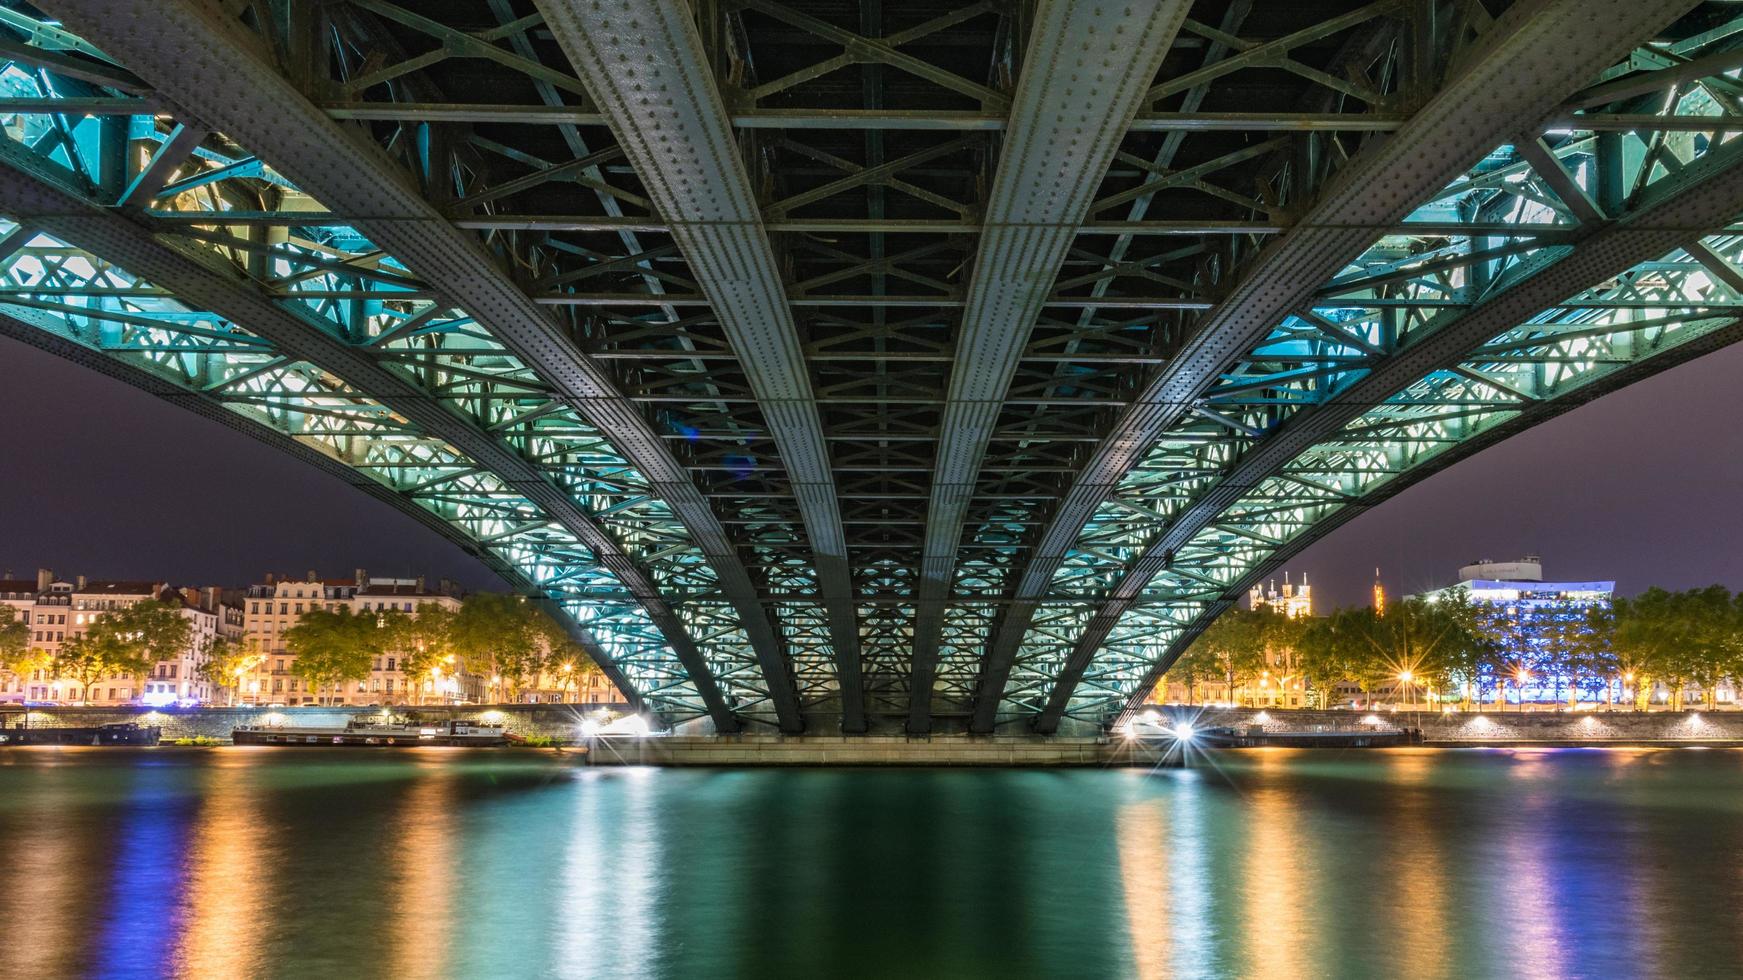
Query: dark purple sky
[1644,486]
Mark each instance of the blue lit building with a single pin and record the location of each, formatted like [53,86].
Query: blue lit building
[1517,590]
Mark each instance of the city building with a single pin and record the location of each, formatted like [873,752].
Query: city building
[1292,601]
[1518,591]
[274,606]
[56,610]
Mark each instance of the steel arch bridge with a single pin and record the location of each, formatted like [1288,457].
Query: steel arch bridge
[867,363]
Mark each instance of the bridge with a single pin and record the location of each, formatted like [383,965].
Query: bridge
[875,365]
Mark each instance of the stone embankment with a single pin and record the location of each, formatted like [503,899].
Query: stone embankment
[559,721]
[563,723]
[1506,727]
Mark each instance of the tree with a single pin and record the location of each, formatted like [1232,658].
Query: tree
[500,636]
[424,644]
[226,661]
[1333,651]
[1232,648]
[125,642]
[17,659]
[333,647]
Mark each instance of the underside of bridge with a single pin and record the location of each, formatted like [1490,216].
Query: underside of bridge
[875,364]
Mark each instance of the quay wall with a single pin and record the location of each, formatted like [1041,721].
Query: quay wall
[561,721]
[1616,727]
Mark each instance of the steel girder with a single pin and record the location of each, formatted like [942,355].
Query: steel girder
[879,214]
[645,64]
[214,71]
[31,192]
[46,333]
[1530,59]
[1707,193]
[1085,74]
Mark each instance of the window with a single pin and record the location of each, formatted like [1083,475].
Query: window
[284,609]
[299,607]
[390,663]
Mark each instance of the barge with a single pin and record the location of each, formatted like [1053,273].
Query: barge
[118,734]
[1229,737]
[376,734]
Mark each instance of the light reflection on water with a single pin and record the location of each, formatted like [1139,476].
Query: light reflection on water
[1282,864]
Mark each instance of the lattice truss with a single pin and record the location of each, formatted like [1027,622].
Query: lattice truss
[859,360]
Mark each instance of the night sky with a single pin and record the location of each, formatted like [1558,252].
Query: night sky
[1644,486]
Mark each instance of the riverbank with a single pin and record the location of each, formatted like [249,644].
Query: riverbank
[562,724]
[1491,728]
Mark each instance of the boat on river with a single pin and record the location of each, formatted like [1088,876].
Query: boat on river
[377,734]
[126,733]
[1232,737]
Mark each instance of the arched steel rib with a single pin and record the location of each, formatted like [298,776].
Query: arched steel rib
[645,64]
[1066,123]
[18,328]
[1534,55]
[1533,414]
[214,71]
[32,192]
[1708,194]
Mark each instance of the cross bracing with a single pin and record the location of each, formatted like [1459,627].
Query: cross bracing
[729,376]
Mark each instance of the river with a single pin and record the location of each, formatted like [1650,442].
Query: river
[1272,863]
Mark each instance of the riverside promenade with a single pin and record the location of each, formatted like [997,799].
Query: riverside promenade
[562,723]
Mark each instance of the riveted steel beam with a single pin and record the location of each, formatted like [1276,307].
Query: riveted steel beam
[19,327]
[33,193]
[1708,193]
[644,63]
[1513,80]
[1088,67]
[1533,414]
[207,66]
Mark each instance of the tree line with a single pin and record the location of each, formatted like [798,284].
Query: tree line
[1455,650]
[503,638]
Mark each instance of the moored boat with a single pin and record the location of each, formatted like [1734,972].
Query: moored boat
[380,734]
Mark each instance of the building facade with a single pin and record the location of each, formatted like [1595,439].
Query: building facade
[1293,600]
[273,607]
[57,610]
[1516,592]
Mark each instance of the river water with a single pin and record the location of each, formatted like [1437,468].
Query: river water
[1272,863]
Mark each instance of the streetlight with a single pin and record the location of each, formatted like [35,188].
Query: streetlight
[1520,676]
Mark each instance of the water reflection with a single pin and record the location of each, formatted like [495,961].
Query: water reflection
[1279,864]
[1276,877]
[425,894]
[604,916]
[1143,874]
[223,912]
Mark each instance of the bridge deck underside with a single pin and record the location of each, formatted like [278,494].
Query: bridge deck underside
[629,435]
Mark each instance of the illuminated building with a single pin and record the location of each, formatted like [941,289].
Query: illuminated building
[1532,609]
[1292,601]
[57,610]
[272,607]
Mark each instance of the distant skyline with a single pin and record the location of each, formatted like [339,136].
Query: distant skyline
[1644,486]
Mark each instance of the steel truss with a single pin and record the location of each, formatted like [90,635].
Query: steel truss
[834,376]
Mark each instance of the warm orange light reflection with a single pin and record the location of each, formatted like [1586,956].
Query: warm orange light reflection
[423,897]
[39,886]
[1414,872]
[1277,877]
[1144,882]
[225,906]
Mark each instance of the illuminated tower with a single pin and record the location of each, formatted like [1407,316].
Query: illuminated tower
[1379,595]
